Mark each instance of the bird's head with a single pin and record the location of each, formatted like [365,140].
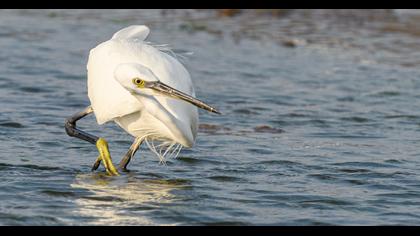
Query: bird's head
[133,77]
[140,80]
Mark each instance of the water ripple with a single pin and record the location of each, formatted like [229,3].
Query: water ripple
[320,121]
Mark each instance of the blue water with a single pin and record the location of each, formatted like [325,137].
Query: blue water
[320,127]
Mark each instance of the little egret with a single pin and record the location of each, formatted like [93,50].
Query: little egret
[145,90]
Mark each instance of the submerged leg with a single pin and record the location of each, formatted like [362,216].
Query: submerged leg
[100,143]
[130,153]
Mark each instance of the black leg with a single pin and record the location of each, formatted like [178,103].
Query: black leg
[100,143]
[130,153]
[75,132]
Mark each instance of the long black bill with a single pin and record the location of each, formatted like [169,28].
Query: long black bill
[169,91]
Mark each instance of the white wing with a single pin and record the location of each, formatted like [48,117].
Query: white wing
[110,100]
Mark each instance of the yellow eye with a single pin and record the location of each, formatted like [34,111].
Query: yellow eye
[138,82]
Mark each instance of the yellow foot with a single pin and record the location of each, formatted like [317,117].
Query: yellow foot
[105,157]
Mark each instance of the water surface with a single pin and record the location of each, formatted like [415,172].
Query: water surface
[320,127]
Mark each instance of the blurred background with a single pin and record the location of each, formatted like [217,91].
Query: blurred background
[320,127]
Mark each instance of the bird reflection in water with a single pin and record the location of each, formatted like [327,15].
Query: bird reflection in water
[125,200]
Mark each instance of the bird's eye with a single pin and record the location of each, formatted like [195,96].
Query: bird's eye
[138,82]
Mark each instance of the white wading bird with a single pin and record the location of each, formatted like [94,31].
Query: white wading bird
[146,91]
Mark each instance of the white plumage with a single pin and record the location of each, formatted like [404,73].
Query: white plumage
[151,116]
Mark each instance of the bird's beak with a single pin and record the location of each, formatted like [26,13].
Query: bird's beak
[171,92]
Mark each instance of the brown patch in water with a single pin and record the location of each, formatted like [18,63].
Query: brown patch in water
[219,129]
[267,129]
[228,12]
[211,128]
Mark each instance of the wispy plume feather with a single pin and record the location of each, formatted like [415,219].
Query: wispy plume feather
[169,148]
[181,55]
